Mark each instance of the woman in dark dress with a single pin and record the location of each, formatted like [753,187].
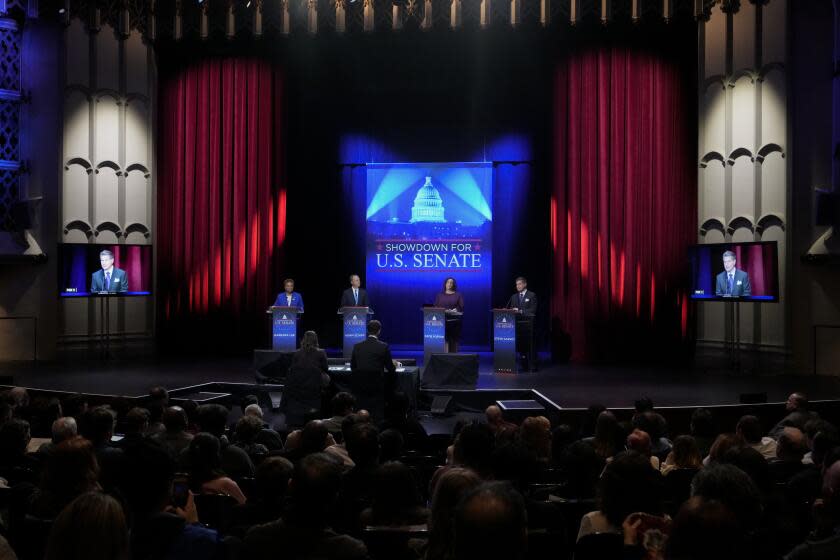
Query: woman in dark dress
[306,378]
[451,299]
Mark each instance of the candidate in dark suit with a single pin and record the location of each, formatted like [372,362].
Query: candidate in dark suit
[355,295]
[289,297]
[306,378]
[525,301]
[109,279]
[373,376]
[732,281]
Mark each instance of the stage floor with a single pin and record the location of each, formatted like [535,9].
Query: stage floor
[705,382]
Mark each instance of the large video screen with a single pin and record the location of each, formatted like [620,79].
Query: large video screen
[735,271]
[79,262]
[427,222]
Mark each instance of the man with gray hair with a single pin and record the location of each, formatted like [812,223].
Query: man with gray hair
[110,279]
[63,428]
[732,282]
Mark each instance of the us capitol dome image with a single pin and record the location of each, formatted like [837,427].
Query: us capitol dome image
[428,206]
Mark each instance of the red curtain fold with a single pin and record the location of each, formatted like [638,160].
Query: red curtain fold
[624,203]
[221,198]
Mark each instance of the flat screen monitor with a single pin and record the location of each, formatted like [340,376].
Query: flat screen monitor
[746,271]
[77,263]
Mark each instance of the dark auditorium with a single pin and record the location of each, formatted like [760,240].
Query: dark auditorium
[419,279]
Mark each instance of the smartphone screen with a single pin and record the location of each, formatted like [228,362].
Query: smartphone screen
[180,493]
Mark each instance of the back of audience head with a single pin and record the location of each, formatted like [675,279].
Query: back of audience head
[474,446]
[18,397]
[272,478]
[70,470]
[734,488]
[447,492]
[152,469]
[686,454]
[212,418]
[722,444]
[629,484]
[254,410]
[205,457]
[314,437]
[749,428]
[753,464]
[136,421]
[342,404]
[315,486]
[391,444]
[590,419]
[14,437]
[75,406]
[159,394]
[535,432]
[98,425]
[362,442]
[63,429]
[642,405]
[791,445]
[639,441]
[796,401]
[91,527]
[175,419]
[395,491]
[704,529]
[652,423]
[608,437]
[491,522]
[248,428]
[703,423]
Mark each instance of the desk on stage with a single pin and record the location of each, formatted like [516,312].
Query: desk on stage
[408,380]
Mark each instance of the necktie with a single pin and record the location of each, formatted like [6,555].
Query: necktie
[107,281]
[356,295]
[731,278]
[521,297]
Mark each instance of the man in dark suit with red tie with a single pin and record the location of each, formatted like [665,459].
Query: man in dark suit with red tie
[373,375]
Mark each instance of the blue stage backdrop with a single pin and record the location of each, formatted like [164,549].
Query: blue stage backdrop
[426,222]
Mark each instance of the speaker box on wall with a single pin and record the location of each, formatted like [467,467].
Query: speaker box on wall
[451,370]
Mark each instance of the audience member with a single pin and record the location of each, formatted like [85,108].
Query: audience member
[451,486]
[396,499]
[206,473]
[703,429]
[749,428]
[798,414]
[491,522]
[639,441]
[306,533]
[248,429]
[790,449]
[212,418]
[175,437]
[91,527]
[684,454]
[608,439]
[161,528]
[71,469]
[341,405]
[628,485]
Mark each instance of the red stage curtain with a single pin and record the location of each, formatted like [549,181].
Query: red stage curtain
[221,200]
[624,203]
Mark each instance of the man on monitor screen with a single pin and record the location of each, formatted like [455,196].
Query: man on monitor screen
[732,282]
[110,278]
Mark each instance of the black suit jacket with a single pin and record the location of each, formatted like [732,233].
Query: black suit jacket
[528,306]
[348,301]
[373,371]
[302,389]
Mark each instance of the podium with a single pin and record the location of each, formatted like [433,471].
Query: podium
[355,321]
[284,322]
[504,340]
[104,299]
[434,332]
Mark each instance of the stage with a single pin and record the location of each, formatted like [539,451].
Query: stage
[709,380]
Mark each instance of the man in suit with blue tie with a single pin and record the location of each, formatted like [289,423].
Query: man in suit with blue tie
[732,282]
[110,279]
[289,297]
[355,295]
